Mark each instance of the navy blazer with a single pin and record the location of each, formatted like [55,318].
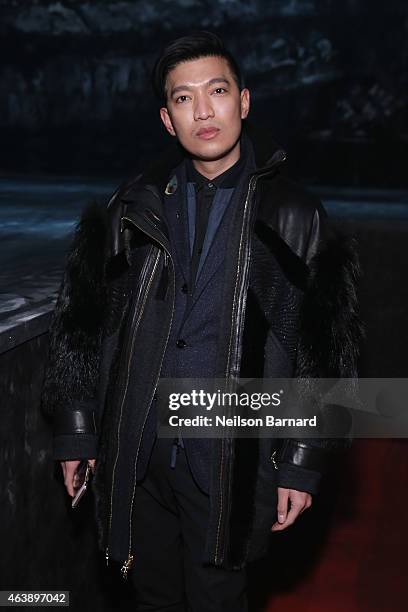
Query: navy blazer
[192,347]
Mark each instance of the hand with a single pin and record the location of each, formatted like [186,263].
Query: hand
[69,470]
[299,501]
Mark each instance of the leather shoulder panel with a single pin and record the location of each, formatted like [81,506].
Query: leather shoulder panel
[295,214]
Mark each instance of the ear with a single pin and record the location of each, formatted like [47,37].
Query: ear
[245,103]
[165,117]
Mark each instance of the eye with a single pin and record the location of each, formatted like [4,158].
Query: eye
[220,90]
[179,98]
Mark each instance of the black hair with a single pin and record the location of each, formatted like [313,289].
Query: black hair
[194,46]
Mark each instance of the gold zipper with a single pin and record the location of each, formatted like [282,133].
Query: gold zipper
[226,375]
[129,561]
[144,294]
[251,188]
[126,566]
[130,556]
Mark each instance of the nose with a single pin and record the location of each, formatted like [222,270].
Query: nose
[203,107]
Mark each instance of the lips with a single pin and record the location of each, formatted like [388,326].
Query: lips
[207,132]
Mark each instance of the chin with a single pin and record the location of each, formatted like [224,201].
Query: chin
[212,151]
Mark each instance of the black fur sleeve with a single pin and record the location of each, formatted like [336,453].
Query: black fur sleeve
[71,377]
[330,335]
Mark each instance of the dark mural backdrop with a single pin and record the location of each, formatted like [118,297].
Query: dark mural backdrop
[328,76]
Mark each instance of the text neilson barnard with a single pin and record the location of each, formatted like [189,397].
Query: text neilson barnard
[238,421]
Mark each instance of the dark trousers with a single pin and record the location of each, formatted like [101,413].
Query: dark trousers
[169,527]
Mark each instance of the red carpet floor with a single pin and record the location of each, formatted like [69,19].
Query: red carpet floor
[350,554]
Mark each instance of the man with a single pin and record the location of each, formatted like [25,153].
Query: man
[211,264]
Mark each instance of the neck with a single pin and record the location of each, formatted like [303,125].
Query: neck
[211,169]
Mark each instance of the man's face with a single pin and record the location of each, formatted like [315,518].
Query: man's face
[204,107]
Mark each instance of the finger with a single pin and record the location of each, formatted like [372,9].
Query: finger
[71,476]
[308,503]
[69,485]
[292,515]
[305,508]
[283,498]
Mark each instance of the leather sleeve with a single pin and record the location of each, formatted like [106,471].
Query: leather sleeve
[330,334]
[71,378]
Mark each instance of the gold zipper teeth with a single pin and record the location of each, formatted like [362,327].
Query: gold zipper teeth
[144,422]
[251,187]
[120,419]
[226,374]
[126,565]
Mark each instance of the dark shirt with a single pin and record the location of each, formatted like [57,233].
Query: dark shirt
[205,190]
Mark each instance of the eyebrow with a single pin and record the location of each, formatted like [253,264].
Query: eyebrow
[210,82]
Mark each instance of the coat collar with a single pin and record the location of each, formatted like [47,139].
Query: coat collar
[141,199]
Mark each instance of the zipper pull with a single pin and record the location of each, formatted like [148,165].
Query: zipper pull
[273,459]
[107,555]
[126,566]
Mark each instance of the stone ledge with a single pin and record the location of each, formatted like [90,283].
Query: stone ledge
[24,325]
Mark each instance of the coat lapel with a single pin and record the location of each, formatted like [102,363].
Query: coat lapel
[176,214]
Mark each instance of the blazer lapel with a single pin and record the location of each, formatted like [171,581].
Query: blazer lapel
[214,242]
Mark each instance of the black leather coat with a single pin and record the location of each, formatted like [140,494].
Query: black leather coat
[290,310]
